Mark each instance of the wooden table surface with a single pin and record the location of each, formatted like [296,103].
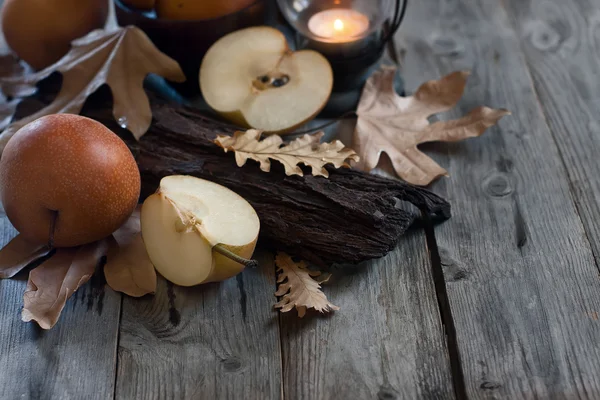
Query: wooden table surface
[500,302]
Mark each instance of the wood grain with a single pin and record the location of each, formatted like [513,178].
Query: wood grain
[386,342]
[76,359]
[215,341]
[561,42]
[521,280]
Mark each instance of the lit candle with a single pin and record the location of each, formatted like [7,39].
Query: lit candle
[339,25]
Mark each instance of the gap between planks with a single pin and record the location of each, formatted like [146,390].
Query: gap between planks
[114,394]
[439,283]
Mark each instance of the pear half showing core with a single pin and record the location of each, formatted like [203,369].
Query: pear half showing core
[197,231]
[252,78]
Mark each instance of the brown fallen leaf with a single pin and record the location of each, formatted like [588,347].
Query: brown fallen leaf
[298,288]
[53,282]
[305,150]
[128,268]
[130,228]
[11,66]
[121,59]
[395,125]
[18,254]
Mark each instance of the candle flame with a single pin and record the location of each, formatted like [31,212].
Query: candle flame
[338,25]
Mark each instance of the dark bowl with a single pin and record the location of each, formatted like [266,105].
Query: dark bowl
[188,41]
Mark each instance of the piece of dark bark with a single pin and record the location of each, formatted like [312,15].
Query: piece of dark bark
[348,218]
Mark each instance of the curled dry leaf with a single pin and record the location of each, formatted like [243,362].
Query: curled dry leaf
[128,268]
[298,288]
[305,150]
[18,254]
[120,58]
[11,66]
[396,125]
[7,111]
[53,282]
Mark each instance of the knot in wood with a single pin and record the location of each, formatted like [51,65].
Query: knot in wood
[231,364]
[490,385]
[543,36]
[386,393]
[497,185]
[446,46]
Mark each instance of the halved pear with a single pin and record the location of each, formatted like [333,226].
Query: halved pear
[197,231]
[252,78]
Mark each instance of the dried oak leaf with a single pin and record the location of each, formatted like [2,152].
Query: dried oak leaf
[119,58]
[53,282]
[18,254]
[299,290]
[395,125]
[128,268]
[305,150]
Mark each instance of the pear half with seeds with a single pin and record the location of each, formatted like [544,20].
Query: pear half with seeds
[197,231]
[252,78]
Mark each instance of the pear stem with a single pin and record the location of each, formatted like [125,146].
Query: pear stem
[219,248]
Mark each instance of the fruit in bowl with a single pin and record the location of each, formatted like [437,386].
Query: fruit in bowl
[195,10]
[172,35]
[190,10]
[41,32]
[145,5]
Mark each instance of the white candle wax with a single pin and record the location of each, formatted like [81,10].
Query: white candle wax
[339,25]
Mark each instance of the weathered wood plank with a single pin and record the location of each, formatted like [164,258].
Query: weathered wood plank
[215,341]
[75,359]
[386,342]
[520,276]
[561,42]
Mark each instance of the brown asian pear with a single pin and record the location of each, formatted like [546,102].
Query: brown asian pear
[141,4]
[198,9]
[41,31]
[67,180]
[252,78]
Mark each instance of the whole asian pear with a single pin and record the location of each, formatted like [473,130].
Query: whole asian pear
[140,4]
[67,180]
[41,31]
[199,9]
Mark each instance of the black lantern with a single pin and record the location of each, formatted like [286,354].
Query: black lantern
[351,34]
